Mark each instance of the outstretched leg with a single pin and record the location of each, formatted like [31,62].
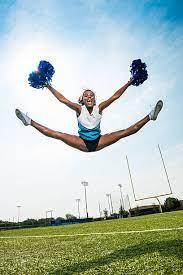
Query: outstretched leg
[111,138]
[71,140]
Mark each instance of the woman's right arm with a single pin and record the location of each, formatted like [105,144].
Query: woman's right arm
[74,106]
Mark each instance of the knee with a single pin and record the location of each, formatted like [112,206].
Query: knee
[47,132]
[51,133]
[133,129]
[136,128]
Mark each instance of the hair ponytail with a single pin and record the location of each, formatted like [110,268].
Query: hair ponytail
[80,100]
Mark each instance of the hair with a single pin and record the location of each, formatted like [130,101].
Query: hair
[80,99]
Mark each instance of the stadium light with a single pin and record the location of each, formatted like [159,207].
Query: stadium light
[78,201]
[85,184]
[122,202]
[110,203]
[108,195]
[99,209]
[128,201]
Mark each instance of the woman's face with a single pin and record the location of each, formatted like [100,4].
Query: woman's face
[88,98]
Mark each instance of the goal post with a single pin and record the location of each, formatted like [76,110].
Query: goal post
[155,196]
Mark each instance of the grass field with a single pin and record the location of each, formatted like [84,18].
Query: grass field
[78,249]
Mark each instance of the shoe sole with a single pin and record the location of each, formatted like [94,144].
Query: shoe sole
[158,107]
[20,116]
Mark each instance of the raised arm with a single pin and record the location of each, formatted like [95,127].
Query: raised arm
[115,96]
[74,106]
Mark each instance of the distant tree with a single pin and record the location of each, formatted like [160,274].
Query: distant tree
[70,217]
[42,222]
[3,224]
[123,213]
[32,222]
[58,219]
[105,213]
[171,204]
[114,215]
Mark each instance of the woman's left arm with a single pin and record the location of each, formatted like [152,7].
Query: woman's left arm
[115,96]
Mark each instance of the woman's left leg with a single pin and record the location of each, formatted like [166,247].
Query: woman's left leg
[111,138]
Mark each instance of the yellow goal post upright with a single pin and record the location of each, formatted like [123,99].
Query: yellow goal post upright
[155,196]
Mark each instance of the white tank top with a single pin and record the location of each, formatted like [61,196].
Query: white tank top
[89,124]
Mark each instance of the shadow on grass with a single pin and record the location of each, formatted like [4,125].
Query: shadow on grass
[165,248]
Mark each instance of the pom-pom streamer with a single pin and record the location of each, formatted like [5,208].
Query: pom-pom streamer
[139,72]
[43,76]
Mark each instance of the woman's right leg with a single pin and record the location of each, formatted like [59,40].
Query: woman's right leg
[71,140]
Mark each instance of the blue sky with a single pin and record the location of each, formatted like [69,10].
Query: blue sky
[91,44]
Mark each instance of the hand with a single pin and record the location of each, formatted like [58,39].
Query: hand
[130,81]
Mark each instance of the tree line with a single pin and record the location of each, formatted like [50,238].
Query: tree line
[170,204]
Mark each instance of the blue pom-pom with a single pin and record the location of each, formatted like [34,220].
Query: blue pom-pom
[139,72]
[43,76]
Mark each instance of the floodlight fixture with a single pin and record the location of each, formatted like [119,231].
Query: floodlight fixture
[122,202]
[84,183]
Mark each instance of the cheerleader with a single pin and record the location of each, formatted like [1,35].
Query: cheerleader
[89,113]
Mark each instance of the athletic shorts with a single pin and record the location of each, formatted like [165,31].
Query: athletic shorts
[91,145]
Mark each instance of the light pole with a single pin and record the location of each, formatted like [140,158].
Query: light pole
[108,196]
[129,201]
[129,204]
[18,218]
[78,201]
[110,203]
[85,184]
[122,202]
[99,209]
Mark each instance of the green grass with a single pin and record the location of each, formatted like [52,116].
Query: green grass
[141,253]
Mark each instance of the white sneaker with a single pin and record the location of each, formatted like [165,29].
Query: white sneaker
[24,118]
[154,113]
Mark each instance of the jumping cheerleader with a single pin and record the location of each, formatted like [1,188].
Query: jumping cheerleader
[89,116]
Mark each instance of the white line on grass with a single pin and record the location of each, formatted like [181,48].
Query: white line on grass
[96,233]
